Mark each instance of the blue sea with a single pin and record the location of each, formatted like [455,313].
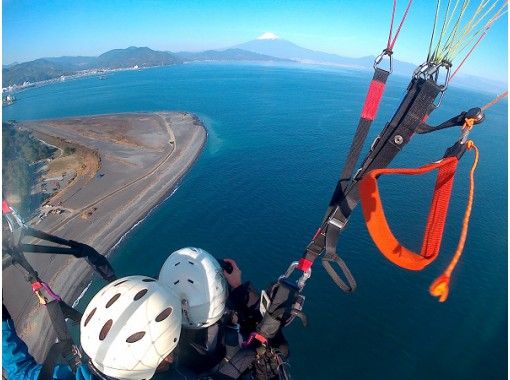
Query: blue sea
[277,139]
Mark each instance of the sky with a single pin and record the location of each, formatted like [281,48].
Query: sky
[40,28]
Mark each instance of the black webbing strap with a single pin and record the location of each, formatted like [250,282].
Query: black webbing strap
[50,361]
[409,116]
[368,113]
[80,250]
[396,134]
[67,349]
[233,367]
[70,312]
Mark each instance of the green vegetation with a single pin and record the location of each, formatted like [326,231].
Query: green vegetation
[19,150]
[68,150]
[51,68]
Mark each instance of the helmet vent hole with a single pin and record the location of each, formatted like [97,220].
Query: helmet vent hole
[140,294]
[112,300]
[121,282]
[89,317]
[176,282]
[105,329]
[164,314]
[148,280]
[191,262]
[177,264]
[175,340]
[191,281]
[135,337]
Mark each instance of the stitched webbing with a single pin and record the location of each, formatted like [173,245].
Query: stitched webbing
[378,226]
[441,286]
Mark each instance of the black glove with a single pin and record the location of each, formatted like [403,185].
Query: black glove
[280,310]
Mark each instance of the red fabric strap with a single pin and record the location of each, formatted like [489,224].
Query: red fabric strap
[379,229]
[5,207]
[36,286]
[304,264]
[374,95]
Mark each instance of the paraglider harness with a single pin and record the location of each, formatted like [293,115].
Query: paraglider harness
[58,310]
[286,299]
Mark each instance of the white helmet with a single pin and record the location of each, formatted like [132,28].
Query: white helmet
[197,278]
[130,326]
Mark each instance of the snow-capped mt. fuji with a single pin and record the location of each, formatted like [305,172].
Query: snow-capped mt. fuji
[270,44]
[268,36]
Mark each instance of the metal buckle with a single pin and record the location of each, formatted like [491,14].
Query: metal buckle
[44,293]
[338,223]
[429,70]
[356,176]
[478,116]
[376,140]
[301,282]
[380,57]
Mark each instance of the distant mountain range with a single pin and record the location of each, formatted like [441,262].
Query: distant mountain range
[50,68]
[55,67]
[233,54]
[272,45]
[266,48]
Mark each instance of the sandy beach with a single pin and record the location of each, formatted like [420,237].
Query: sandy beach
[127,164]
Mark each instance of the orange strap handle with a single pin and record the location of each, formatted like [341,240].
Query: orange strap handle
[379,229]
[440,287]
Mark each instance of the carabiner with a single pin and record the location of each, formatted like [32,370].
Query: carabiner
[301,282]
[380,57]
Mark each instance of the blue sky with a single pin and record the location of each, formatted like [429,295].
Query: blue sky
[34,29]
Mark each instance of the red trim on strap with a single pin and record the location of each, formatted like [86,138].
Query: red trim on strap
[379,229]
[374,95]
[304,264]
[36,286]
[316,233]
[5,207]
[261,338]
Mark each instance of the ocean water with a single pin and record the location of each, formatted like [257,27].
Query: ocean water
[277,138]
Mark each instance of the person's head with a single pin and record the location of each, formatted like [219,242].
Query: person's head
[130,327]
[197,278]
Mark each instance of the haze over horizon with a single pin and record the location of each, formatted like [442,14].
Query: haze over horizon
[34,30]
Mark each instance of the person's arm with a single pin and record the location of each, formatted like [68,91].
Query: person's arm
[243,300]
[16,360]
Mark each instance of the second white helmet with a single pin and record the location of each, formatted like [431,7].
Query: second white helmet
[197,278]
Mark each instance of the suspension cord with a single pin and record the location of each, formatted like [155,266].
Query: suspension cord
[489,24]
[495,100]
[433,30]
[391,42]
[461,36]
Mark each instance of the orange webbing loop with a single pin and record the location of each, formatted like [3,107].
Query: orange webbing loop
[440,286]
[378,226]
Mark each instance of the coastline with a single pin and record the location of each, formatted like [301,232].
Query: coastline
[69,276]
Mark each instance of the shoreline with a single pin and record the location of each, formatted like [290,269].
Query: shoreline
[69,276]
